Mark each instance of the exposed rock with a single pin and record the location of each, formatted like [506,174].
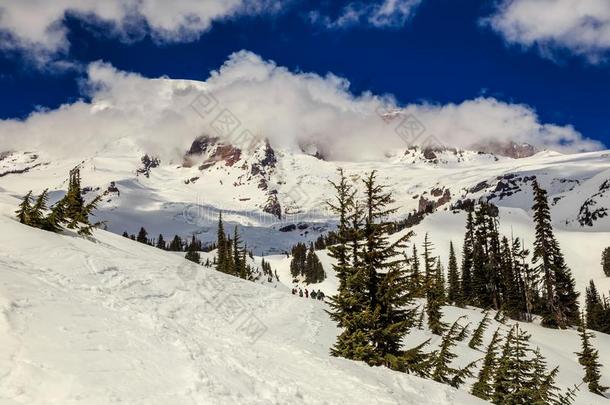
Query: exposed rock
[273,206]
[509,149]
[148,163]
[589,211]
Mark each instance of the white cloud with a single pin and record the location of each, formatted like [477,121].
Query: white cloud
[38,25]
[381,14]
[579,26]
[291,109]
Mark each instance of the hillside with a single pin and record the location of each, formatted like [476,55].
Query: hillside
[107,320]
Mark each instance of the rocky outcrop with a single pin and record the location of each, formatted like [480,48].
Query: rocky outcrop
[509,149]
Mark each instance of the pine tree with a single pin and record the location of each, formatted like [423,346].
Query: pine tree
[477,336]
[223,250]
[161,242]
[594,308]
[142,236]
[37,214]
[454,291]
[441,363]
[561,299]
[192,252]
[606,261]
[25,209]
[435,299]
[466,297]
[588,357]
[387,280]
[56,218]
[74,202]
[416,279]
[514,371]
[429,263]
[483,388]
[176,244]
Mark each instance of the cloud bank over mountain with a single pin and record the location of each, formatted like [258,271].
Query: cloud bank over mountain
[251,97]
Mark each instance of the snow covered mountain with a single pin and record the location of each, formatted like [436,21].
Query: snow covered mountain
[279,196]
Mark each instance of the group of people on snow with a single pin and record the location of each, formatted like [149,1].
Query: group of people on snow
[313,295]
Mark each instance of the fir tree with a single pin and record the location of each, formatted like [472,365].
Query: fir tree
[56,218]
[441,363]
[176,244]
[467,296]
[483,388]
[192,252]
[223,250]
[25,209]
[416,279]
[37,214]
[606,261]
[588,357]
[514,371]
[477,336]
[594,308]
[388,292]
[142,236]
[161,242]
[454,290]
[561,305]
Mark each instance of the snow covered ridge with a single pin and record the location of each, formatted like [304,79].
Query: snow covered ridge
[106,320]
[267,190]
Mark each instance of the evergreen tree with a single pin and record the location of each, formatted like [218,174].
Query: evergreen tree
[387,280]
[515,370]
[588,357]
[298,264]
[176,244]
[606,261]
[161,242]
[467,294]
[441,363]
[561,304]
[223,250]
[483,388]
[37,214]
[192,252]
[142,236]
[477,335]
[314,272]
[56,218]
[416,279]
[25,209]
[454,291]
[596,316]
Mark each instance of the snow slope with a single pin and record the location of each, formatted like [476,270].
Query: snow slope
[107,320]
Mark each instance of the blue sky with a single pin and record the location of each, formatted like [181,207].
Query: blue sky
[437,51]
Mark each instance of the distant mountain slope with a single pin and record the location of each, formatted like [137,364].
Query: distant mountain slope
[269,191]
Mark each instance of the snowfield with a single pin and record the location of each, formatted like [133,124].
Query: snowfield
[108,320]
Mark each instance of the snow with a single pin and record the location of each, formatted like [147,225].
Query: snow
[108,320]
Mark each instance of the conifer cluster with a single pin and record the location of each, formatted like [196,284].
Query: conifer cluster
[70,212]
[231,255]
[514,373]
[495,273]
[306,263]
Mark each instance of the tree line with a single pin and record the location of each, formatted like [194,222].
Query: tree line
[379,280]
[305,262]
[70,212]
